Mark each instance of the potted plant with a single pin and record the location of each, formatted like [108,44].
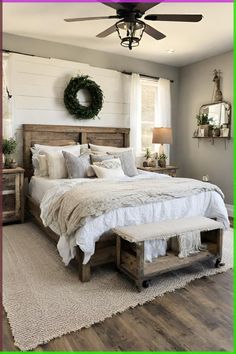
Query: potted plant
[148,156]
[8,148]
[203,122]
[162,160]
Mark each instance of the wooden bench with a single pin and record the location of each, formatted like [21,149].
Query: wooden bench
[130,246]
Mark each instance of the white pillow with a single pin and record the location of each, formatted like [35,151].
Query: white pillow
[56,165]
[47,149]
[75,149]
[40,165]
[103,148]
[108,169]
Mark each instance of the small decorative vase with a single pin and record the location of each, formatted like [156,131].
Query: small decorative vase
[13,164]
[7,161]
[145,164]
[162,163]
[205,127]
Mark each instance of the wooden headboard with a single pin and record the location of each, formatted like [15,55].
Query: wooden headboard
[67,135]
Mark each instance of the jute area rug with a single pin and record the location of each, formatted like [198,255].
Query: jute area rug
[44,299]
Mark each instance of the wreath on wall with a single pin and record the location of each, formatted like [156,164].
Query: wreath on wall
[72,102]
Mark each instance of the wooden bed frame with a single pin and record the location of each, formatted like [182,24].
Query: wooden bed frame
[59,135]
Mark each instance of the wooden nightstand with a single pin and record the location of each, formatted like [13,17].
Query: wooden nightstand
[168,170]
[13,195]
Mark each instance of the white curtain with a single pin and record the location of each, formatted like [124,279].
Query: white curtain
[135,114]
[163,109]
[6,100]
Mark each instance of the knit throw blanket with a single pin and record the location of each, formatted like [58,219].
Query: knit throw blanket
[101,196]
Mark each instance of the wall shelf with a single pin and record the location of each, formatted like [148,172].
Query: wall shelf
[212,139]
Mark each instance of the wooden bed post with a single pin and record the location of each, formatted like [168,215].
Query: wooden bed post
[84,269]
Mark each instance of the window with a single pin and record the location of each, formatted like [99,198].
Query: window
[148,112]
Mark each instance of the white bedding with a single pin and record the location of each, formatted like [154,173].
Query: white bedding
[208,204]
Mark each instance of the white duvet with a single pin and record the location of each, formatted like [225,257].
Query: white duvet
[209,204]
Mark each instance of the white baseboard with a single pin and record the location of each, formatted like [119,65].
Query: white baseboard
[230,209]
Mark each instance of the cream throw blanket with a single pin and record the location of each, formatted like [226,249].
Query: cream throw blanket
[93,199]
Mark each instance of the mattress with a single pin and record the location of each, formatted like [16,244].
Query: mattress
[38,186]
[209,204]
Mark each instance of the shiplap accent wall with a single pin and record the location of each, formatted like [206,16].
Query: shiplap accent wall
[37,86]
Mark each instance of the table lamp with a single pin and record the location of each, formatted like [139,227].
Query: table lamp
[162,136]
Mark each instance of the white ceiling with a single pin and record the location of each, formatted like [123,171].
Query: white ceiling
[191,41]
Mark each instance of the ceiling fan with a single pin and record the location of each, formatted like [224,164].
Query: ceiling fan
[129,27]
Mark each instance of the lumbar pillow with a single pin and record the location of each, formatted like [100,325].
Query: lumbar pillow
[108,169]
[78,166]
[99,158]
[127,162]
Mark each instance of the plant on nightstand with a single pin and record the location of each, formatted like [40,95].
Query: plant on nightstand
[8,148]
[148,156]
[162,160]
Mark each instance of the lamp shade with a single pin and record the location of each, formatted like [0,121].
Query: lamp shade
[162,136]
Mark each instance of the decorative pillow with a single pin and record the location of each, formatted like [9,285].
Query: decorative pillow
[45,150]
[103,148]
[78,166]
[75,149]
[99,158]
[127,162]
[40,165]
[56,165]
[108,169]
[109,163]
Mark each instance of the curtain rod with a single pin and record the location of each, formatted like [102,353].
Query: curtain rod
[143,75]
[29,55]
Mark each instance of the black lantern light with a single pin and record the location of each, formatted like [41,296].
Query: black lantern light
[130,32]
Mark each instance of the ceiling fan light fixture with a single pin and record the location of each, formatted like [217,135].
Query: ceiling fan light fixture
[130,32]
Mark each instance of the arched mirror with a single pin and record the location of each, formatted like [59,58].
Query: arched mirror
[214,120]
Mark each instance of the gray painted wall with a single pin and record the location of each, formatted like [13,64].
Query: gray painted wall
[196,88]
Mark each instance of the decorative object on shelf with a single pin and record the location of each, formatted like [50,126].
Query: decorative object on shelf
[8,148]
[129,26]
[162,136]
[162,160]
[224,132]
[203,122]
[217,94]
[214,119]
[72,102]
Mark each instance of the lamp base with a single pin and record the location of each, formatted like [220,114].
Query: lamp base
[161,149]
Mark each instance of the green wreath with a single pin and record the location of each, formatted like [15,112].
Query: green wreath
[71,100]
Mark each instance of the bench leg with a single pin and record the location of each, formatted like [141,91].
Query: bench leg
[219,242]
[84,269]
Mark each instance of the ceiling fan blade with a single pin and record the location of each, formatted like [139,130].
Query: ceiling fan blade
[89,18]
[143,7]
[177,18]
[106,33]
[153,32]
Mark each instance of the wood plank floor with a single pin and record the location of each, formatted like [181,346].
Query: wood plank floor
[198,317]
